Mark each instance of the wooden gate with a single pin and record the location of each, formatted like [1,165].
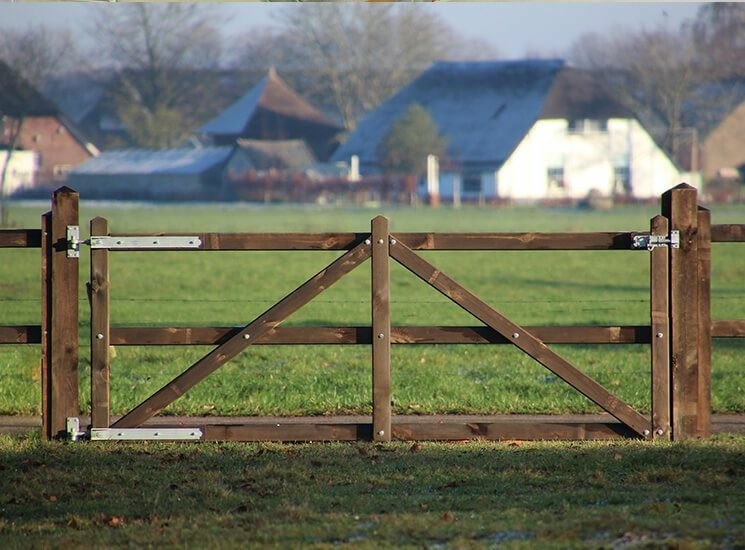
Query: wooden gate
[677,334]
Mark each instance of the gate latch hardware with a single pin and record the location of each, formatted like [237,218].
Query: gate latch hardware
[73,241]
[650,242]
[139,434]
[155,242]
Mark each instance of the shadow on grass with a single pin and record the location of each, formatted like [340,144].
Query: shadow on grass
[585,493]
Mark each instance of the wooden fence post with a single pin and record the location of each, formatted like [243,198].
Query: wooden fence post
[679,206]
[100,323]
[659,312]
[381,330]
[59,316]
[703,415]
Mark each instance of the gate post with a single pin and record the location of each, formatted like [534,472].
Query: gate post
[679,205]
[381,330]
[59,315]
[704,323]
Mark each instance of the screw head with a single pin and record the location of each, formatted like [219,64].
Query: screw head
[246,336]
[380,241]
[381,335]
[516,335]
[660,431]
[393,241]
[659,335]
[99,336]
[381,432]
[367,242]
[645,433]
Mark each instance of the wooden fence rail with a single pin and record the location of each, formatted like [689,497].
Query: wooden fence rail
[679,332]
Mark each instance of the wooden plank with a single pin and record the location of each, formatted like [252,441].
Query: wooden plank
[63,315]
[286,432]
[99,292]
[46,285]
[20,238]
[703,416]
[521,338]
[266,241]
[679,206]
[180,336]
[252,332]
[659,314]
[20,334]
[517,241]
[728,329]
[381,330]
[728,233]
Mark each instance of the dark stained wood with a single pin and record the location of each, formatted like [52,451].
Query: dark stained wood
[46,304]
[266,241]
[728,233]
[679,206]
[728,329]
[659,312]
[237,343]
[521,338]
[20,238]
[703,416]
[99,293]
[287,432]
[21,334]
[517,241]
[173,336]
[63,315]
[381,330]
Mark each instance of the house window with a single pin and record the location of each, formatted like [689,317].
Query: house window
[588,125]
[622,180]
[472,184]
[555,176]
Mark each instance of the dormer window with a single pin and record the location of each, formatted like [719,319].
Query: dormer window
[588,125]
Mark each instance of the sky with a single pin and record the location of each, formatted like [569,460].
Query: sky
[514,28]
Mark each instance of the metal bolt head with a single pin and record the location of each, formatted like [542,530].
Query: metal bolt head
[381,335]
[645,433]
[246,336]
[659,335]
[99,336]
[660,431]
[367,242]
[516,335]
[380,241]
[381,432]
[393,241]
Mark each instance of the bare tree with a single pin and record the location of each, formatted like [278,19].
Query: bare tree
[348,58]
[719,36]
[160,51]
[40,52]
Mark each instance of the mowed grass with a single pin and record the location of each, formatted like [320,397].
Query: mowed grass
[232,288]
[518,495]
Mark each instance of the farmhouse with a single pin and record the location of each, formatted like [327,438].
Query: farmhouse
[171,174]
[271,110]
[30,124]
[523,130]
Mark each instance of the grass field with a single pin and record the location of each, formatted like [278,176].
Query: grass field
[231,288]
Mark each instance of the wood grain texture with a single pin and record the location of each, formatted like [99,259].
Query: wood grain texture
[703,415]
[521,338]
[659,314]
[728,233]
[728,329]
[99,294]
[20,238]
[381,330]
[20,334]
[255,330]
[46,304]
[517,241]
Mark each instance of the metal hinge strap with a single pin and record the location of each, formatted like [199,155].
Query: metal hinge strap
[73,241]
[650,242]
[140,434]
[151,243]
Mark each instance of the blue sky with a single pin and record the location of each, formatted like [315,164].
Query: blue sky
[515,28]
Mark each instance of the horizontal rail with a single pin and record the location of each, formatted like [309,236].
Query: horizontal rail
[265,241]
[728,233]
[728,329]
[136,336]
[22,334]
[20,238]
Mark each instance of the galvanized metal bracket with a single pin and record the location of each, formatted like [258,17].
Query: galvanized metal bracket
[646,241]
[141,434]
[145,243]
[73,429]
[73,241]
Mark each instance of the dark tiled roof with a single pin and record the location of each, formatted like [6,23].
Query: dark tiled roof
[19,98]
[485,108]
[270,94]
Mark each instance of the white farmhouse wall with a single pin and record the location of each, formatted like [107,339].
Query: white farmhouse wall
[588,159]
[21,170]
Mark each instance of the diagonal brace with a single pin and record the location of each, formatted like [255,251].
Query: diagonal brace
[248,335]
[519,337]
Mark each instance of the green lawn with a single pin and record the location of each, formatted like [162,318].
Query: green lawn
[232,288]
[517,495]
